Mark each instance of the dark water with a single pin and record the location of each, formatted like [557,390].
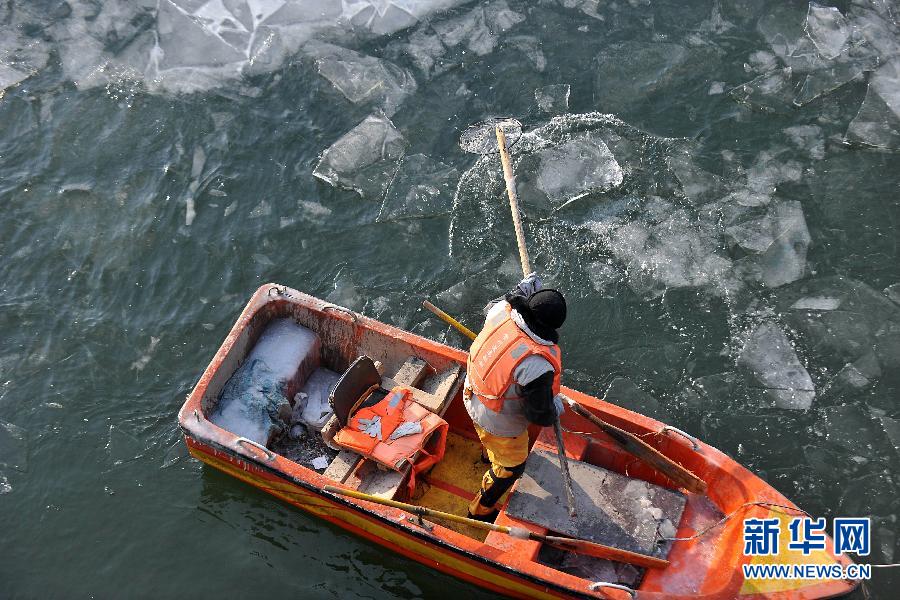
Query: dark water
[142,206]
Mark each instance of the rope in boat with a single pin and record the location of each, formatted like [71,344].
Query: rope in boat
[730,515]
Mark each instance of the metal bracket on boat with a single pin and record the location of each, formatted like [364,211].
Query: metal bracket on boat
[420,522]
[337,308]
[603,584]
[279,291]
[270,456]
[197,415]
[694,443]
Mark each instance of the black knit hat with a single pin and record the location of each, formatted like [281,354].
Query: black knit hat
[548,308]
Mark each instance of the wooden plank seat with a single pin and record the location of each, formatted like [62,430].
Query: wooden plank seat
[353,470]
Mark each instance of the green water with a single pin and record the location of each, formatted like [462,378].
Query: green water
[115,296]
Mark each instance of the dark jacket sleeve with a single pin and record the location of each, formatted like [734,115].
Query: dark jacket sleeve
[538,400]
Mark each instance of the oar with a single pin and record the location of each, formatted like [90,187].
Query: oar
[642,450]
[509,178]
[565,543]
[625,440]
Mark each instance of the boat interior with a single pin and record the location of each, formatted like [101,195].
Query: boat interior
[435,377]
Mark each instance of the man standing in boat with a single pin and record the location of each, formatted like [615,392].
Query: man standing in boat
[512,381]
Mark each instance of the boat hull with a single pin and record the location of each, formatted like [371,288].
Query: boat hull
[708,566]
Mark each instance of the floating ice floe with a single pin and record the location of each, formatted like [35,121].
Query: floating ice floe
[628,72]
[190,45]
[678,252]
[776,243]
[841,321]
[878,121]
[422,187]
[10,77]
[770,359]
[553,99]
[365,159]
[575,168]
[363,80]
[828,30]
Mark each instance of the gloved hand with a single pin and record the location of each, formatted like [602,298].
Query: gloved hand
[529,285]
[558,405]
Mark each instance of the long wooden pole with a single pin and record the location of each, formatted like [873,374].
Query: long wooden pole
[565,543]
[513,202]
[526,271]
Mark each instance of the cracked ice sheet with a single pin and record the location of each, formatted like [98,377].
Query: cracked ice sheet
[878,121]
[365,159]
[828,29]
[771,361]
[188,46]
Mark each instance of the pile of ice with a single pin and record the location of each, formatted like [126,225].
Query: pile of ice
[814,57]
[311,404]
[255,402]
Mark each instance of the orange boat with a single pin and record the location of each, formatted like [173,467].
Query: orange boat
[706,563]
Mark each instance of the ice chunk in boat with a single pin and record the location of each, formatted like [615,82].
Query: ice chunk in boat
[314,409]
[576,168]
[553,99]
[769,357]
[289,350]
[776,243]
[364,79]
[365,159]
[254,403]
[423,187]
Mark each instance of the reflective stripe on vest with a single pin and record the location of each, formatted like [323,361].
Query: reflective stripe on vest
[496,353]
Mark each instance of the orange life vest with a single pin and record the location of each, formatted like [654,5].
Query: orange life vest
[396,408]
[496,353]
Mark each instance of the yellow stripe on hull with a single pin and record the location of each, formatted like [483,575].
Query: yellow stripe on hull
[417,549]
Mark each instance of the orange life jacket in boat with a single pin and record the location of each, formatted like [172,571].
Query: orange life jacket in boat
[496,353]
[396,408]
